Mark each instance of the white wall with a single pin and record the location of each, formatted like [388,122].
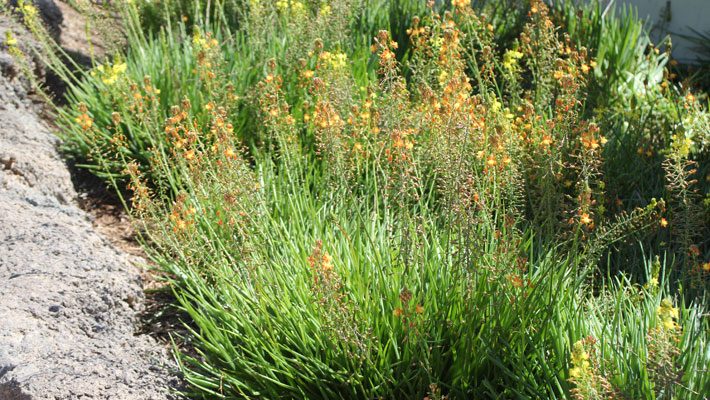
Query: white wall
[684,14]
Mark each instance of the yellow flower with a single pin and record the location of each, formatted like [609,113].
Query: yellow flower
[667,314]
[491,161]
[576,373]
[681,145]
[295,7]
[510,59]
[496,105]
[198,40]
[581,367]
[119,68]
[335,61]
[110,73]
[10,39]
[29,12]
[442,77]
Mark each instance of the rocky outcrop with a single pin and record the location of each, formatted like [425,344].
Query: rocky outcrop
[68,298]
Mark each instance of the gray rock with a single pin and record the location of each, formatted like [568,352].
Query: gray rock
[51,15]
[68,298]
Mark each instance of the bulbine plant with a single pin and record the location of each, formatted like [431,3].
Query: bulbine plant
[425,213]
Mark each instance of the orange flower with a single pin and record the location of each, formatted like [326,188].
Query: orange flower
[461,4]
[84,121]
[585,219]
[327,262]
[694,250]
[664,222]
[229,153]
[180,225]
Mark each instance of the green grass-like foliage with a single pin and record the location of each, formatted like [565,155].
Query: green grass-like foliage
[390,199]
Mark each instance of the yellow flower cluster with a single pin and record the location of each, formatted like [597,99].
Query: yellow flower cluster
[667,314]
[13,49]
[510,59]
[10,39]
[109,73]
[585,374]
[581,367]
[29,13]
[325,9]
[335,61]
[295,7]
[204,41]
[681,145]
